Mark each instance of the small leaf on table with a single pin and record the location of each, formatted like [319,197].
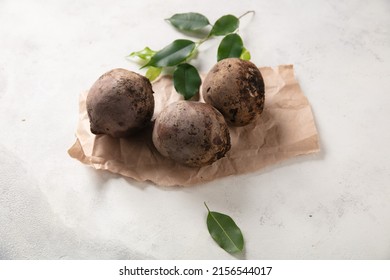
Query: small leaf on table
[230,46]
[189,21]
[173,54]
[225,232]
[225,25]
[186,80]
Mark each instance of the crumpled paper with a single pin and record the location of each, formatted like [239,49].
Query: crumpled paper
[285,129]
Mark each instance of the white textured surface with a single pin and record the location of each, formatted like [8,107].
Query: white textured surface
[334,205]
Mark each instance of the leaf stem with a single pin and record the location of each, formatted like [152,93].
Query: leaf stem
[206,206]
[203,40]
[244,14]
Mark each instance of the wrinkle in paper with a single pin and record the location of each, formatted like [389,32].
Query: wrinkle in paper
[285,129]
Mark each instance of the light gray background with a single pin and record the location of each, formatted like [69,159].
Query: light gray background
[334,205]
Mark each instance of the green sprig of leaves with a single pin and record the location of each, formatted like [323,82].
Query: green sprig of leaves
[186,78]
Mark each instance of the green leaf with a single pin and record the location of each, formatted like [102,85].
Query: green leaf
[144,54]
[225,232]
[153,73]
[225,25]
[189,21]
[186,80]
[173,54]
[245,55]
[230,46]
